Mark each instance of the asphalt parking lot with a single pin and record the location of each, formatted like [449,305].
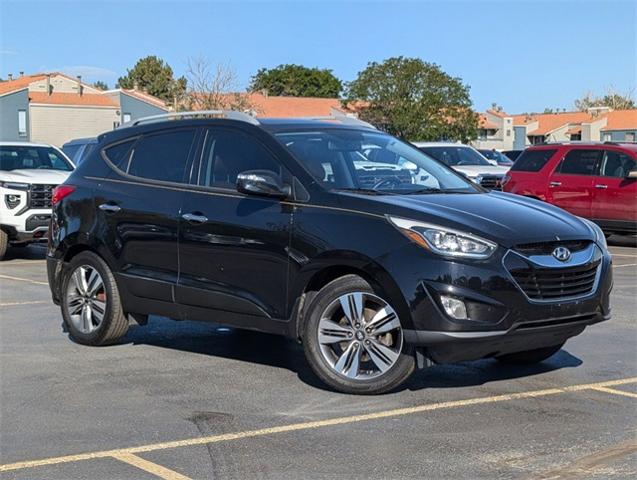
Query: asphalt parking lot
[187,400]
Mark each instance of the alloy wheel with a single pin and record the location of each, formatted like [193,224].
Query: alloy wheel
[86,298]
[360,336]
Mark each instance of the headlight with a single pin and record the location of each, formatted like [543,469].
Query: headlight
[600,238]
[444,241]
[15,185]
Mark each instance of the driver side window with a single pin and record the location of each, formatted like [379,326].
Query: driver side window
[227,153]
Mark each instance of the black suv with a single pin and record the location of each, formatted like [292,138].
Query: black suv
[375,256]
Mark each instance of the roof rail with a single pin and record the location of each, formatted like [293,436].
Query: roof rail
[341,117]
[230,114]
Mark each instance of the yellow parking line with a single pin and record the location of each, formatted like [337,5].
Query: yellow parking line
[226,437]
[150,467]
[13,304]
[19,279]
[615,392]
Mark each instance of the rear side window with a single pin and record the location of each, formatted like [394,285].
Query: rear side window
[616,164]
[161,156]
[119,154]
[580,162]
[532,160]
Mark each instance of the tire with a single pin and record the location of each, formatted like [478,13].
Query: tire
[4,244]
[346,356]
[92,311]
[530,357]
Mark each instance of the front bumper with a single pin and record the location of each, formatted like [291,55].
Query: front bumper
[502,318]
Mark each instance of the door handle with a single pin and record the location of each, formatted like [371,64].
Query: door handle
[109,207]
[601,185]
[555,184]
[194,218]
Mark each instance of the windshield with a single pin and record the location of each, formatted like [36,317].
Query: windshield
[499,157]
[370,162]
[26,157]
[456,156]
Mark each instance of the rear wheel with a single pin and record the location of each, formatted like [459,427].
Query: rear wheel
[530,357]
[4,244]
[91,305]
[353,339]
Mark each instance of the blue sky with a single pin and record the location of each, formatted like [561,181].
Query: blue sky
[524,55]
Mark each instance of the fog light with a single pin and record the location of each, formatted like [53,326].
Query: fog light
[12,201]
[454,307]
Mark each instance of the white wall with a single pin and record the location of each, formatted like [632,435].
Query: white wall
[57,124]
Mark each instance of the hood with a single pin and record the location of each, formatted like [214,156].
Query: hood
[473,171]
[504,218]
[51,177]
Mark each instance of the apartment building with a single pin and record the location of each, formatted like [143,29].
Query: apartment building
[55,108]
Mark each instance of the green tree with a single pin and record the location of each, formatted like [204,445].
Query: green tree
[100,85]
[414,100]
[155,76]
[297,81]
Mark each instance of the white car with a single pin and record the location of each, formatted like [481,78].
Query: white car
[466,160]
[28,174]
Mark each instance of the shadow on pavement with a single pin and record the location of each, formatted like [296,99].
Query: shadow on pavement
[277,351]
[622,241]
[30,252]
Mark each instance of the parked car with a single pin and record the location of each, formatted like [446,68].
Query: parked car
[498,158]
[595,181]
[28,174]
[78,149]
[236,221]
[466,160]
[512,154]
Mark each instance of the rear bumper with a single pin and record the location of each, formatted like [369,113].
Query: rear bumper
[449,347]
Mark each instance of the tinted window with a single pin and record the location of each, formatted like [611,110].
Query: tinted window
[119,154]
[580,162]
[532,160]
[162,156]
[71,150]
[228,153]
[32,158]
[455,156]
[616,164]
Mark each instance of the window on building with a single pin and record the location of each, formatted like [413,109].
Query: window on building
[508,132]
[22,123]
[228,153]
[126,117]
[581,162]
[629,137]
[575,137]
[607,137]
[162,156]
[536,139]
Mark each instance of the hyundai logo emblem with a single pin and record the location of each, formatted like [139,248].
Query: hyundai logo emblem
[562,254]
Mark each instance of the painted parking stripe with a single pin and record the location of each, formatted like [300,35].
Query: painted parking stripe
[625,265]
[294,427]
[621,255]
[615,391]
[19,279]
[150,467]
[9,263]
[14,304]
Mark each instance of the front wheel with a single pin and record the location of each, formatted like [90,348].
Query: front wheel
[91,305]
[530,357]
[353,339]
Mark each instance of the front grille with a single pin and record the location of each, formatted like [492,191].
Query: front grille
[492,182]
[40,195]
[546,248]
[556,283]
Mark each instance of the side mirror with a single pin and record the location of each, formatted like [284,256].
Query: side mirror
[262,182]
[632,174]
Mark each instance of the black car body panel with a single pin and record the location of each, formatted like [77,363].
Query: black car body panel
[254,259]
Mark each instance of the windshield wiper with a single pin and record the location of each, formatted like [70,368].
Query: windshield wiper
[367,191]
[424,190]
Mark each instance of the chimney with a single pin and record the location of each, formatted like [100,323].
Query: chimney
[79,84]
[21,74]
[48,84]
[10,76]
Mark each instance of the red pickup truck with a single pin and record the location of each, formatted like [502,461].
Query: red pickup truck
[597,181]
